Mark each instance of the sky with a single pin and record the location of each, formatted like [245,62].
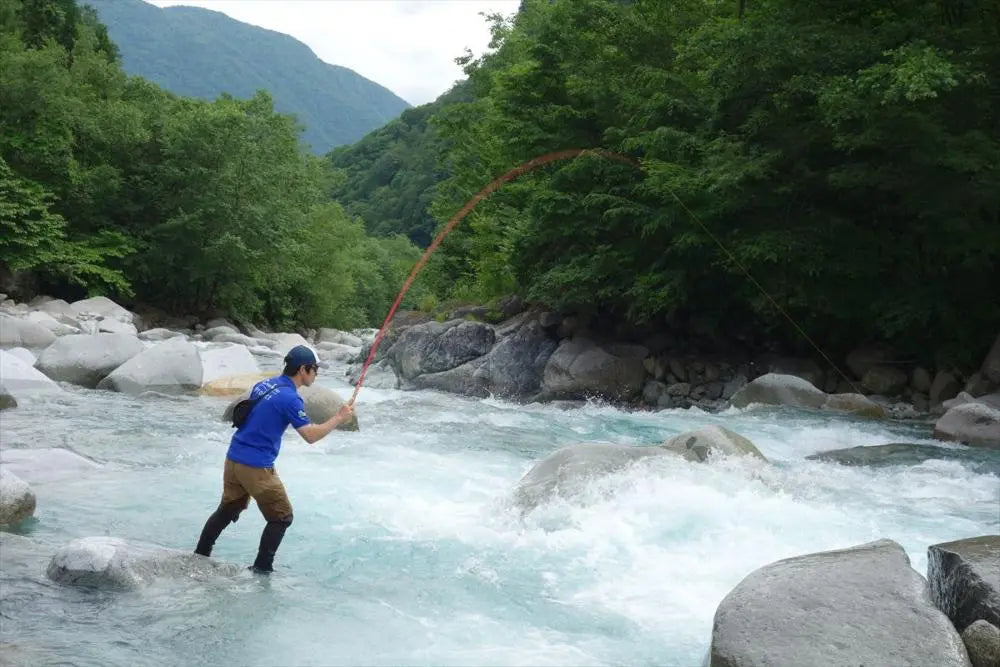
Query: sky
[408,46]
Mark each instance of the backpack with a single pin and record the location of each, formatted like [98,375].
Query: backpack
[241,411]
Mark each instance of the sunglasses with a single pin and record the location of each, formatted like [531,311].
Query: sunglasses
[311,368]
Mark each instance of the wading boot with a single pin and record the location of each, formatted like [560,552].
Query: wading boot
[222,517]
[270,538]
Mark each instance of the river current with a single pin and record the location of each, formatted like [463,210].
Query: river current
[405,549]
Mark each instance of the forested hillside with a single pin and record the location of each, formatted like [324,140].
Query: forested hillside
[203,53]
[844,153]
[111,185]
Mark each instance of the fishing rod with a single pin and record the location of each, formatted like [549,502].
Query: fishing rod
[530,165]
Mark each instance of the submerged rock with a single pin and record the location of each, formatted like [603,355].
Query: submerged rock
[900,453]
[567,470]
[698,445]
[17,501]
[859,606]
[46,464]
[964,578]
[111,562]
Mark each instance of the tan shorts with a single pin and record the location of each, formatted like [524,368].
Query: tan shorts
[241,482]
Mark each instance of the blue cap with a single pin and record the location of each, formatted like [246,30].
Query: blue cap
[299,356]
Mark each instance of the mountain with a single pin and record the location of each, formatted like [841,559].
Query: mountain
[202,53]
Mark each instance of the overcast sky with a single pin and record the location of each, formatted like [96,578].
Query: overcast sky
[408,46]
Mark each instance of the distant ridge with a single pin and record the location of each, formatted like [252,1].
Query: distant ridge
[202,53]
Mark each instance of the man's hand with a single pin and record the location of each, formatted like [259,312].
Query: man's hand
[345,413]
[313,432]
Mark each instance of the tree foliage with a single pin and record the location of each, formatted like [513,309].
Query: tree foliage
[109,184]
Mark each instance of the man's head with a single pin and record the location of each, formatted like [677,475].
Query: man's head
[301,364]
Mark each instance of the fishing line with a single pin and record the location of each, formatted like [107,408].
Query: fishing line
[510,175]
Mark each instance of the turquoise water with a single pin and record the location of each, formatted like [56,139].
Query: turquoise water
[405,550]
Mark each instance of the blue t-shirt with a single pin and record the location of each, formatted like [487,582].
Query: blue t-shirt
[257,442]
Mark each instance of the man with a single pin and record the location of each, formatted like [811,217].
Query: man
[249,470]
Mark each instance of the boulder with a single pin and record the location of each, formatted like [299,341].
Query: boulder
[567,471]
[18,332]
[17,501]
[964,578]
[862,359]
[220,360]
[115,326]
[513,368]
[807,369]
[884,380]
[991,364]
[711,440]
[340,337]
[58,309]
[159,334]
[6,400]
[337,352]
[982,641]
[46,464]
[906,454]
[945,386]
[233,385]
[863,605]
[214,332]
[975,424]
[283,342]
[241,339]
[434,347]
[111,562]
[20,378]
[172,366]
[24,354]
[86,359]
[774,389]
[580,368]
[380,375]
[102,307]
[857,404]
[322,404]
[52,324]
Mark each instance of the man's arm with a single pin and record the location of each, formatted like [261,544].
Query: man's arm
[314,432]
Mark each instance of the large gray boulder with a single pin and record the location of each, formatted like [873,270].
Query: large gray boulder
[19,332]
[172,366]
[17,501]
[21,379]
[111,562]
[777,389]
[567,471]
[101,307]
[964,578]
[859,606]
[221,360]
[976,424]
[51,323]
[86,359]
[511,369]
[46,464]
[580,368]
[711,440]
[433,347]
